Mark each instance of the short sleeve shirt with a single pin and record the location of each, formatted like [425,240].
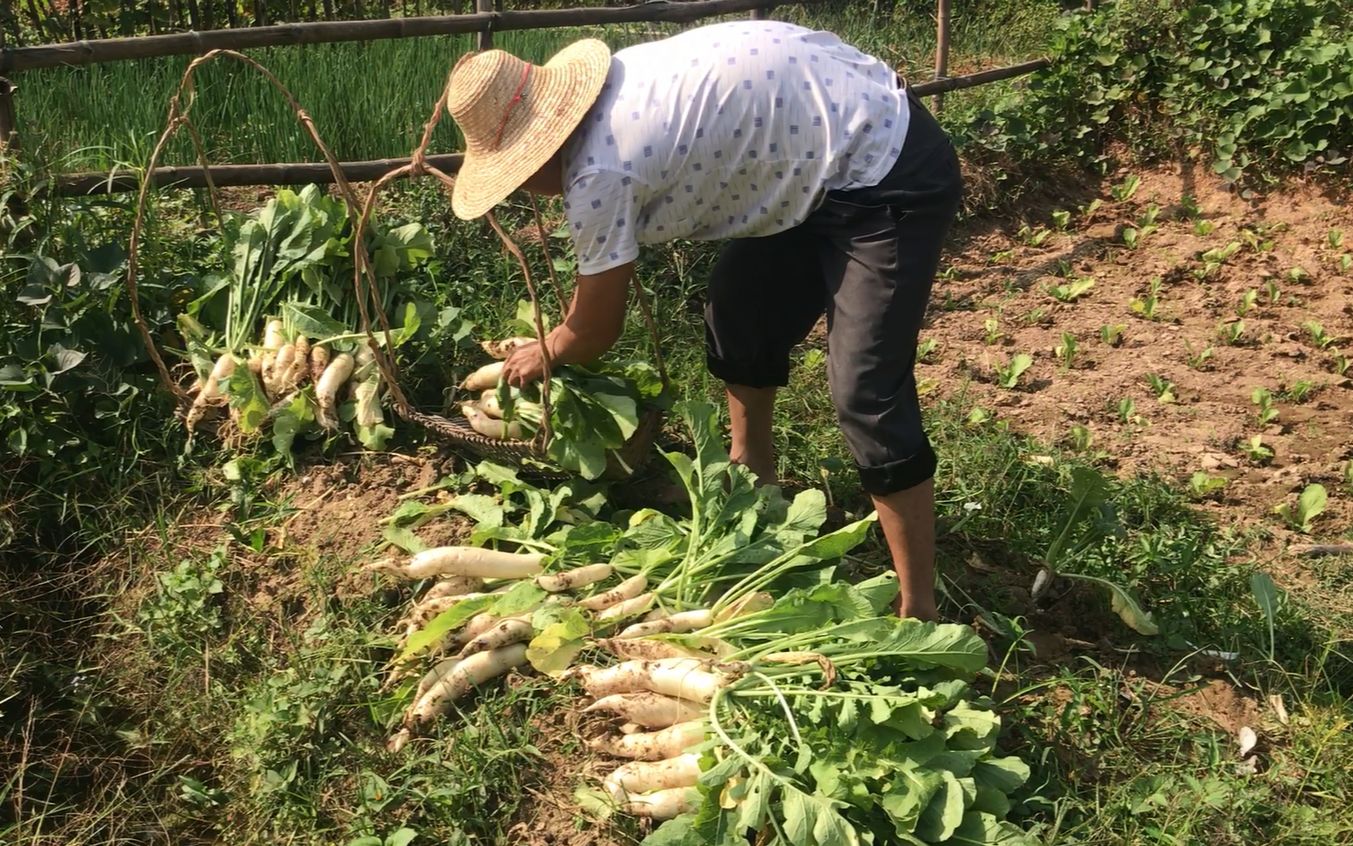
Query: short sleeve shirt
[734,130]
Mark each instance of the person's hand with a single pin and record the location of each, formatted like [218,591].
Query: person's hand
[524,366]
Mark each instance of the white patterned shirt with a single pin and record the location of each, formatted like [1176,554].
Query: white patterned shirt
[734,130]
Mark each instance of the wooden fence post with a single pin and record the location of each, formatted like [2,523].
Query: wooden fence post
[9,129]
[484,40]
[9,132]
[759,13]
[941,47]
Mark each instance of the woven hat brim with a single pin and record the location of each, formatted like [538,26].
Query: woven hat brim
[559,100]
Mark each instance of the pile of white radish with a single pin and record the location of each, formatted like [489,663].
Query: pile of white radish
[485,414]
[283,366]
[657,713]
[658,693]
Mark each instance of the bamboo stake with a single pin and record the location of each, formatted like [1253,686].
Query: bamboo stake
[941,48]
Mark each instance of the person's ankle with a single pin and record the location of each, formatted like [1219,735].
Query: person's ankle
[924,611]
[763,467]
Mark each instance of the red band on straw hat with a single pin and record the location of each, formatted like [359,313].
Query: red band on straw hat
[511,105]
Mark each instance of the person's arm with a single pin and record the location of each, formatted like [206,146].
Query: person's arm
[593,325]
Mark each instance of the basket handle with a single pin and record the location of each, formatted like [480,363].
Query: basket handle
[544,433]
[178,117]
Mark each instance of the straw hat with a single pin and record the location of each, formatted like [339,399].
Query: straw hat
[516,115]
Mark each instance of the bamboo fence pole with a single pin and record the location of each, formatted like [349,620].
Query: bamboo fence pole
[321,32]
[941,48]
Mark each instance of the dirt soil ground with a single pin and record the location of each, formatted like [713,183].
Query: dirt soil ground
[1281,247]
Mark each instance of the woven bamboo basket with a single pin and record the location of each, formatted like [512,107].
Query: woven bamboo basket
[531,454]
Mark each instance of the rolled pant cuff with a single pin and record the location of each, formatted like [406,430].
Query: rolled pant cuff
[899,475]
[750,374]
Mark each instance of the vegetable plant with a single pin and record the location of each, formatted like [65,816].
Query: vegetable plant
[1080,438]
[1160,386]
[1341,364]
[1216,257]
[1263,398]
[1066,350]
[927,350]
[1034,237]
[1316,332]
[1112,333]
[1203,485]
[1008,374]
[1299,391]
[1069,292]
[1148,306]
[1088,520]
[1125,190]
[1247,302]
[1231,333]
[1198,359]
[1061,219]
[1257,451]
[1127,411]
[1202,228]
[1310,505]
[992,328]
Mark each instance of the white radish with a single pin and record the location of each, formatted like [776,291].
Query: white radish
[477,625]
[424,611]
[488,403]
[273,337]
[682,621]
[484,378]
[648,776]
[748,604]
[300,363]
[575,578]
[326,389]
[626,608]
[657,614]
[431,677]
[648,709]
[466,561]
[487,426]
[663,804]
[630,728]
[452,586]
[277,381]
[644,649]
[504,348]
[366,393]
[211,392]
[652,745]
[508,631]
[364,355]
[319,359]
[470,673]
[684,678]
[628,589]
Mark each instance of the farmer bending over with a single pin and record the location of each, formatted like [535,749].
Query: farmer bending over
[834,185]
